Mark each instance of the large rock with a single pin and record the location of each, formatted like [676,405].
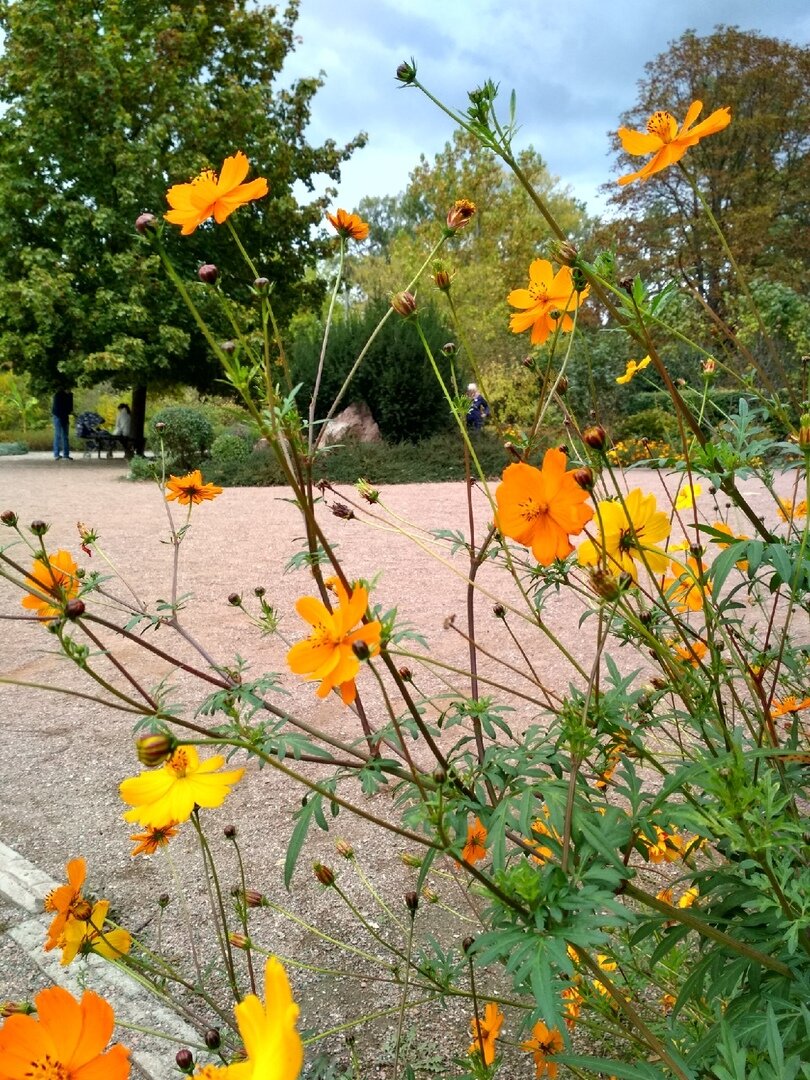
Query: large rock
[354,424]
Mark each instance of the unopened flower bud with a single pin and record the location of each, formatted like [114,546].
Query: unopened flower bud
[39,528]
[605,585]
[467,943]
[578,279]
[804,432]
[323,874]
[404,304]
[238,941]
[341,510]
[8,517]
[163,900]
[709,367]
[145,223]
[160,427]
[499,611]
[262,286]
[512,451]
[562,385]
[361,650]
[626,283]
[208,274]
[528,362]
[230,832]
[410,860]
[460,214]
[584,478]
[406,72]
[439,777]
[74,608]
[565,252]
[235,600]
[212,1039]
[228,346]
[405,674]
[412,902]
[595,437]
[254,899]
[156,748]
[626,580]
[259,591]
[13,1008]
[185,1061]
[344,848]
[442,277]
[658,683]
[367,492]
[449,348]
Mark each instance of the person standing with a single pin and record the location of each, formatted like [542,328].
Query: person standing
[123,427]
[478,411]
[61,410]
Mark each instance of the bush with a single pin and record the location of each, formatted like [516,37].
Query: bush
[9,448]
[229,447]
[141,468]
[186,437]
[655,424]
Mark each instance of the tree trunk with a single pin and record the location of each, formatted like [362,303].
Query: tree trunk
[138,418]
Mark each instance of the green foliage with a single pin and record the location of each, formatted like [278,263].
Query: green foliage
[7,449]
[186,437]
[17,404]
[395,379]
[656,424]
[143,468]
[228,447]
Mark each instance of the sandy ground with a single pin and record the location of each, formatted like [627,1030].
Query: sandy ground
[63,757]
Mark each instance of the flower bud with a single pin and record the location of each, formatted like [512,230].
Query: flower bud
[160,427]
[185,1061]
[74,608]
[804,432]
[154,749]
[254,899]
[584,477]
[405,674]
[442,277]
[449,348]
[361,650]
[578,279]
[145,223]
[344,848]
[228,346]
[404,304]
[460,214]
[39,528]
[230,832]
[163,900]
[8,517]
[709,367]
[235,600]
[406,72]
[412,902]
[565,252]
[528,362]
[262,286]
[467,944]
[259,591]
[341,510]
[367,492]
[212,1039]
[323,874]
[626,580]
[208,274]
[12,1008]
[562,385]
[439,777]
[626,283]
[499,611]
[595,437]
[605,585]
[238,941]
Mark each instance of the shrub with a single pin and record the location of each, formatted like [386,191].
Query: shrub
[141,468]
[186,437]
[9,448]
[230,447]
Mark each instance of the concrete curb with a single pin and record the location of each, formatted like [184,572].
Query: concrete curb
[25,885]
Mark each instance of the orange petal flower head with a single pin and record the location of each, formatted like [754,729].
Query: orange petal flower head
[166,796]
[147,842]
[328,653]
[665,142]
[546,302]
[476,847]
[53,581]
[67,1039]
[190,489]
[89,935]
[788,706]
[633,367]
[541,508]
[543,1043]
[485,1031]
[628,532]
[687,588]
[209,195]
[349,226]
[66,902]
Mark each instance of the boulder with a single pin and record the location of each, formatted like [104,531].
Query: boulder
[354,424]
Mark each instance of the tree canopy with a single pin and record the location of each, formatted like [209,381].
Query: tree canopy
[106,105]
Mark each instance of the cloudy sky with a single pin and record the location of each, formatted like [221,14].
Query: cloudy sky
[573,65]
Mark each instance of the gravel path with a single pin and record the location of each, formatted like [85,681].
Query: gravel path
[64,757]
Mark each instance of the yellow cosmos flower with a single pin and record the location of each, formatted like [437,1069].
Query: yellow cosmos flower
[633,368]
[166,796]
[687,495]
[67,1039]
[486,1031]
[190,489]
[668,846]
[349,226]
[54,579]
[211,196]
[89,935]
[541,508]
[543,1043]
[686,589]
[546,302]
[628,532]
[476,847]
[273,1046]
[328,653]
[665,142]
[787,511]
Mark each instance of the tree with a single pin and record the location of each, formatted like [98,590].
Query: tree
[106,105]
[754,175]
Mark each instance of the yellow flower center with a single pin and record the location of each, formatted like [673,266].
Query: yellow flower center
[664,125]
[207,176]
[321,636]
[531,509]
[538,293]
[47,1069]
[178,763]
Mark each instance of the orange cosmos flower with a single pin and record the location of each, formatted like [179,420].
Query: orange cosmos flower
[668,847]
[788,705]
[476,847]
[328,653]
[787,511]
[52,576]
[211,196]
[88,935]
[349,226]
[628,532]
[721,527]
[66,1040]
[67,902]
[665,142]
[692,653]
[687,587]
[147,843]
[166,796]
[540,508]
[190,489]
[543,1043]
[546,302]
[486,1031]
[572,1007]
